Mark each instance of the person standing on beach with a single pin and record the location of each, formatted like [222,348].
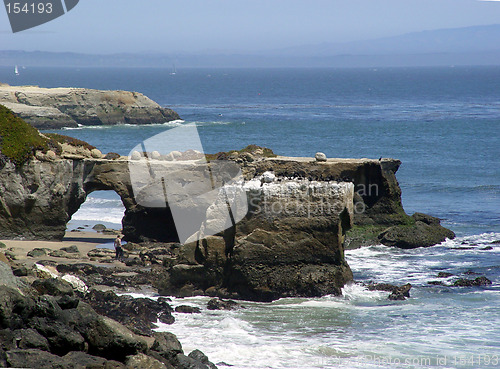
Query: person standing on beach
[118,248]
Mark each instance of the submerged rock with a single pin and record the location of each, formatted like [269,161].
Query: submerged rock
[219,304]
[397,292]
[479,281]
[444,275]
[187,309]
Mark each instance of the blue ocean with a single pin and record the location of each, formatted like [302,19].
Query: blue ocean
[442,123]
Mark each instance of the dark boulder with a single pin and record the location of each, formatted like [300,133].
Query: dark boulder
[39,359]
[68,302]
[479,281]
[187,309]
[188,362]
[53,287]
[31,339]
[73,249]
[166,345]
[15,309]
[20,271]
[61,337]
[436,283]
[33,358]
[46,306]
[219,304]
[200,357]
[81,360]
[37,252]
[424,231]
[112,156]
[141,361]
[111,340]
[138,314]
[397,292]
[99,227]
[444,275]
[81,269]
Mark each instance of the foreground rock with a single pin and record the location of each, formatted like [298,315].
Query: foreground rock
[40,330]
[423,231]
[46,108]
[138,314]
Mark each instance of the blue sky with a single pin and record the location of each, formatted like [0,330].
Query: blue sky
[167,26]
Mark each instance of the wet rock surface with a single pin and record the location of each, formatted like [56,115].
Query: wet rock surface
[397,292]
[60,330]
[220,304]
[138,314]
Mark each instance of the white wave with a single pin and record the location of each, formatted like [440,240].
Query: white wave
[383,264]
[483,239]
[93,217]
[211,123]
[172,123]
[102,201]
[99,213]
[358,293]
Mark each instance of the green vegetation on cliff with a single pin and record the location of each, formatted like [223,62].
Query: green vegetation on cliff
[62,139]
[250,149]
[18,139]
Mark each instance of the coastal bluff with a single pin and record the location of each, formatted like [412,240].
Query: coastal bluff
[291,247]
[300,213]
[55,108]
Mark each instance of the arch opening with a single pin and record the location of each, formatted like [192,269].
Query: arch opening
[101,207]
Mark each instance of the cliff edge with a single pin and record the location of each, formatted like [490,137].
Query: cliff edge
[54,108]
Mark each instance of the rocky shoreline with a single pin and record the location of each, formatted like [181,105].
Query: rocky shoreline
[290,240]
[58,304]
[49,321]
[57,108]
[60,307]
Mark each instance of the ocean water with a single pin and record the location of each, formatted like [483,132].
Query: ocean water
[442,123]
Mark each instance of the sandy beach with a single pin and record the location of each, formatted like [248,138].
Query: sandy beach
[85,241]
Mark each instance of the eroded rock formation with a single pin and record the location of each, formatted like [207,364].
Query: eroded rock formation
[68,107]
[289,241]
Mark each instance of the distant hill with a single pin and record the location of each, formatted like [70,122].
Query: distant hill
[478,45]
[453,40]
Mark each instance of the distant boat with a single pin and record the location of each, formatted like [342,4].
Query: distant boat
[16,70]
[174,70]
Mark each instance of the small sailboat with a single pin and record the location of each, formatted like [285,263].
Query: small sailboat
[174,70]
[16,70]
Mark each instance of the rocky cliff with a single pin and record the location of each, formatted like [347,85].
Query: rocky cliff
[290,243]
[288,247]
[69,107]
[299,213]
